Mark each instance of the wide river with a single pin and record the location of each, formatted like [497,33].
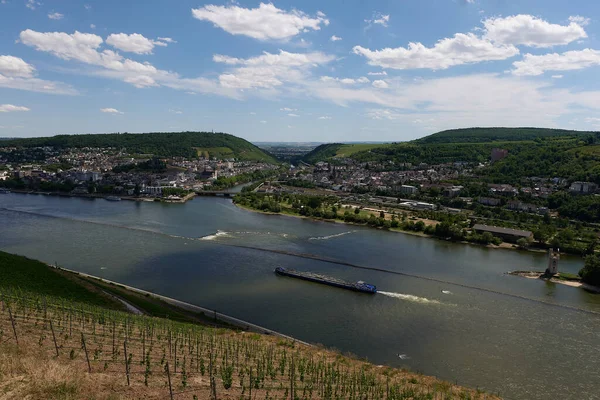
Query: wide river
[451,312]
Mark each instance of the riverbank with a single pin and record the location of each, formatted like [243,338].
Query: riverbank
[570,281]
[503,245]
[93,196]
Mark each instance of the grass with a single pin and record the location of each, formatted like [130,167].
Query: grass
[565,276]
[35,276]
[219,152]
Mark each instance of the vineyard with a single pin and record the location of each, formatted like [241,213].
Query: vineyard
[128,356]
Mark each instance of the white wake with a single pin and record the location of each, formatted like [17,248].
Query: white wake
[331,236]
[409,297]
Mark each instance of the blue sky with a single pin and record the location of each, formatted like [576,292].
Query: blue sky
[297,70]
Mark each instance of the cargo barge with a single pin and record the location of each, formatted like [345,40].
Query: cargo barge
[359,286]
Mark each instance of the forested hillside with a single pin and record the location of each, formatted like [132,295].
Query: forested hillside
[162,144]
[531,152]
[481,135]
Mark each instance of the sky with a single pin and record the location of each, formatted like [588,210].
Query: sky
[320,71]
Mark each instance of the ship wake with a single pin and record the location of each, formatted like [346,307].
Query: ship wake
[331,236]
[409,297]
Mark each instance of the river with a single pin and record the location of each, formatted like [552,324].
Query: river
[444,309]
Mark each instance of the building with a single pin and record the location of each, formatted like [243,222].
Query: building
[517,205]
[407,189]
[506,234]
[498,154]
[583,187]
[452,191]
[488,201]
[553,257]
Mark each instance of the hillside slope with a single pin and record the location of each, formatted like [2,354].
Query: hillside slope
[484,135]
[59,349]
[162,144]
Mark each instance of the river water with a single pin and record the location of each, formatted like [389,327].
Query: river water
[444,309]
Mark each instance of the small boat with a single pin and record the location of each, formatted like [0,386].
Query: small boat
[113,198]
[359,286]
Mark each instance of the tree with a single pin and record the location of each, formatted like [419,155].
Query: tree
[590,273]
[523,243]
[356,210]
[381,214]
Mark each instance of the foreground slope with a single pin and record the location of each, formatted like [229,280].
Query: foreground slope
[68,350]
[162,144]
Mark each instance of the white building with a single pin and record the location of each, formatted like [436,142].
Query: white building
[407,189]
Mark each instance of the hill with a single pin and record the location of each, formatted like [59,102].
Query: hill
[51,348]
[161,144]
[486,135]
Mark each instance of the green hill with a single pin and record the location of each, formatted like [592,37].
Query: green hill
[483,135]
[161,144]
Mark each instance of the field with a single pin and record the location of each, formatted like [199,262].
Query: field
[54,348]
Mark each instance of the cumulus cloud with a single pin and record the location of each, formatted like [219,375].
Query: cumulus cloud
[134,43]
[379,84]
[335,38]
[85,48]
[293,115]
[460,49]
[15,67]
[32,4]
[12,108]
[382,73]
[578,19]
[568,61]
[166,40]
[497,41]
[346,81]
[262,23]
[268,70]
[287,109]
[111,111]
[15,73]
[92,26]
[55,15]
[557,76]
[325,117]
[531,31]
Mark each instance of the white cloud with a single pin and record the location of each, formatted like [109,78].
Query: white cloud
[12,108]
[345,81]
[570,60]
[17,74]
[134,43]
[448,52]
[87,7]
[269,71]
[167,40]
[382,73]
[557,76]
[263,23]
[111,111]
[286,109]
[293,115]
[32,4]
[335,38]
[379,84]
[179,112]
[15,67]
[531,31]
[92,26]
[55,15]
[85,48]
[325,117]
[383,114]
[379,19]
[252,113]
[263,122]
[578,19]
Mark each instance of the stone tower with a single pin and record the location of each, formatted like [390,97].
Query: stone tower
[553,257]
